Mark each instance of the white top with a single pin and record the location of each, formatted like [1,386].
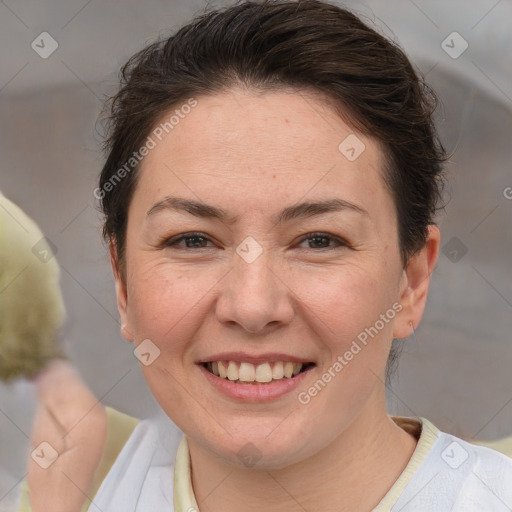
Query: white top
[444,474]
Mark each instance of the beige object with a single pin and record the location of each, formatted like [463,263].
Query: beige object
[31,305]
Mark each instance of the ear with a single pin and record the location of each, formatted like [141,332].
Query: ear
[121,293]
[415,283]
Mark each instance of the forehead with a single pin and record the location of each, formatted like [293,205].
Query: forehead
[269,146]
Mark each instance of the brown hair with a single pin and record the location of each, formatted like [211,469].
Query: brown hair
[271,44]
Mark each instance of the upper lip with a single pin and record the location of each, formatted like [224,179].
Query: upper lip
[254,359]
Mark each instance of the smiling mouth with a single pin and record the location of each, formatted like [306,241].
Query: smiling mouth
[240,372]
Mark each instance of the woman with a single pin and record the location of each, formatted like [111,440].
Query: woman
[272,179]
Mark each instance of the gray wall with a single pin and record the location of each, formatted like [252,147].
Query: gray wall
[455,370]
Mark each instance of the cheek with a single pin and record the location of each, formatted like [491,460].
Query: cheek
[161,300]
[165,308]
[343,301]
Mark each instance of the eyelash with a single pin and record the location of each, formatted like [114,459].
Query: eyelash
[172,242]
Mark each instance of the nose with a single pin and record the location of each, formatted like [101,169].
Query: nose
[255,296]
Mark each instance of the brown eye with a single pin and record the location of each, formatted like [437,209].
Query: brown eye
[323,241]
[191,240]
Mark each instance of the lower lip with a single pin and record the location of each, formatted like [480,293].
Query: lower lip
[254,392]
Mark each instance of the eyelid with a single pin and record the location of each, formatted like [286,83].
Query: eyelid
[319,234]
[173,241]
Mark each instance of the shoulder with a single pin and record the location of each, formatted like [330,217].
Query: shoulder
[488,486]
[456,475]
[480,456]
[481,476]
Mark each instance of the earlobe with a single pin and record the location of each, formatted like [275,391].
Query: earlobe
[415,285]
[121,294]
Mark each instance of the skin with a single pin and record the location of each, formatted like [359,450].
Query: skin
[74,423]
[252,154]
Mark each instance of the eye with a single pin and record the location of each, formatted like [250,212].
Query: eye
[323,239]
[192,240]
[196,240]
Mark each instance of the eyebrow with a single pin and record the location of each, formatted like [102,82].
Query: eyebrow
[302,210]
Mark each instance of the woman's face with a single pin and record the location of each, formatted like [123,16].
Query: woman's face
[271,281]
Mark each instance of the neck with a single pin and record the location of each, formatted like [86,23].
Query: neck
[354,472]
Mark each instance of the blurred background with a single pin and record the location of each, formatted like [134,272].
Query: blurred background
[59,60]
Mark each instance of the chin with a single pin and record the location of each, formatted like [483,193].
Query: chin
[259,451]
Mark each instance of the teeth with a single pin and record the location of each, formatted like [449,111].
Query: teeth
[288,369]
[232,371]
[247,372]
[278,371]
[263,373]
[223,373]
